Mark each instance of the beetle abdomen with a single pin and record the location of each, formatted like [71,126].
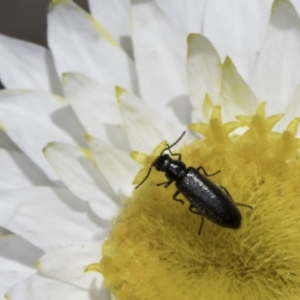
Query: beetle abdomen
[209,199]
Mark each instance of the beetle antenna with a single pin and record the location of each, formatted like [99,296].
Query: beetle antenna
[172,145]
[149,171]
[168,148]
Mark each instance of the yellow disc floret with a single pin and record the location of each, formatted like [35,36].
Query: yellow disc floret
[154,251]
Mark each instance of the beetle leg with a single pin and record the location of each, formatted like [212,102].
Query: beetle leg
[176,199]
[165,183]
[201,225]
[245,205]
[204,171]
[175,154]
[197,212]
[194,211]
[225,190]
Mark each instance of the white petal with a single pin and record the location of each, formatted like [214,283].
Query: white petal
[32,119]
[116,165]
[96,109]
[236,97]
[187,15]
[145,127]
[114,15]
[160,55]
[80,44]
[296,4]
[47,217]
[28,66]
[278,69]
[68,264]
[39,287]
[17,260]
[292,109]
[237,29]
[79,173]
[17,171]
[204,70]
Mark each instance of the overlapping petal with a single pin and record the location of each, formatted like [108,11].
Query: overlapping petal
[78,171]
[40,286]
[160,51]
[80,44]
[277,71]
[96,108]
[144,125]
[27,66]
[188,15]
[32,118]
[114,15]
[18,171]
[116,165]
[17,259]
[237,29]
[48,217]
[75,259]
[204,70]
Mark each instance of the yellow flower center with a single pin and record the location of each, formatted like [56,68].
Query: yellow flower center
[154,250]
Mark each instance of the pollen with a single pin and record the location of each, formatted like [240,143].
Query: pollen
[154,250]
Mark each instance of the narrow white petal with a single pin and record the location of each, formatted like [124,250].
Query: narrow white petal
[80,44]
[145,127]
[236,97]
[278,68]
[28,66]
[79,173]
[32,119]
[160,55]
[96,109]
[187,15]
[116,165]
[114,15]
[237,29]
[68,264]
[17,260]
[204,69]
[292,109]
[47,217]
[17,171]
[40,287]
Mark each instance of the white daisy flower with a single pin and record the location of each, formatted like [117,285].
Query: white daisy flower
[121,84]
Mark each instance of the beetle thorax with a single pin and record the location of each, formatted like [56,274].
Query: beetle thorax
[174,169]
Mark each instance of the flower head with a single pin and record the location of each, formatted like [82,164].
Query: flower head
[118,83]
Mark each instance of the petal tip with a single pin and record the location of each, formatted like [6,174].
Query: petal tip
[119,91]
[88,137]
[192,36]
[55,3]
[93,267]
[38,265]
[47,147]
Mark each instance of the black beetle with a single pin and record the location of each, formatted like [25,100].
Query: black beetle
[206,198]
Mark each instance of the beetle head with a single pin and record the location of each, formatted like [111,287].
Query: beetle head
[162,162]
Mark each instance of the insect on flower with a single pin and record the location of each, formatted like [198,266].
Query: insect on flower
[206,198]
